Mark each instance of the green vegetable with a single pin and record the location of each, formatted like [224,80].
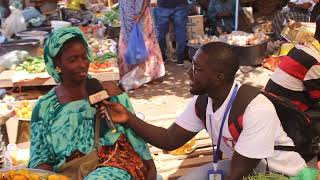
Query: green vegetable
[106,57]
[32,65]
[112,15]
[270,176]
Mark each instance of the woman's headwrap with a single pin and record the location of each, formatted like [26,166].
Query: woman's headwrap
[53,45]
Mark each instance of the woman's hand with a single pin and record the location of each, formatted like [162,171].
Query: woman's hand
[118,113]
[151,173]
[137,18]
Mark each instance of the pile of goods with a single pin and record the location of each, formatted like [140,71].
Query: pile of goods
[99,47]
[239,38]
[104,63]
[32,65]
[5,109]
[112,17]
[263,28]
[24,109]
[201,40]
[28,174]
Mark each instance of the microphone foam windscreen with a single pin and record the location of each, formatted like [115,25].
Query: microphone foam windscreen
[95,91]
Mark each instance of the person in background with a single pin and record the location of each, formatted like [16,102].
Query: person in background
[134,76]
[296,10]
[177,10]
[315,12]
[221,15]
[298,75]
[63,121]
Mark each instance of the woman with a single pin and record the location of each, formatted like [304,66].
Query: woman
[221,15]
[62,123]
[134,76]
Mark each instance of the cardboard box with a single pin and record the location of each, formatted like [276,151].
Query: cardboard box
[195,26]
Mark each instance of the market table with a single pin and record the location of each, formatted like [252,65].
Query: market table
[6,81]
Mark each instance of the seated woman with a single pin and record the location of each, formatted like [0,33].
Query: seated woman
[62,123]
[221,15]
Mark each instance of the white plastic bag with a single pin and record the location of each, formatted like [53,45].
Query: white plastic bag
[14,23]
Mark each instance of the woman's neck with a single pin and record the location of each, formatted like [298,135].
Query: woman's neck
[68,92]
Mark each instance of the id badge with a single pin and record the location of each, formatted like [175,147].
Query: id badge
[215,175]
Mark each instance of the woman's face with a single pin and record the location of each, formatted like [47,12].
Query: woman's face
[73,62]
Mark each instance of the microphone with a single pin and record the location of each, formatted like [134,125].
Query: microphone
[96,95]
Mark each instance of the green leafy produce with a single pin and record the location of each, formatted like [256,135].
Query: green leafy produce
[32,65]
[270,176]
[112,16]
[106,57]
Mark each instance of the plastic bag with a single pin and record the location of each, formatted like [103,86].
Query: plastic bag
[11,59]
[136,51]
[14,23]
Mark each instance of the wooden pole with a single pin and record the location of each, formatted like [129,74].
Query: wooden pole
[109,3]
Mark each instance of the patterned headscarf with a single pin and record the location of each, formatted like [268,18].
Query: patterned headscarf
[55,42]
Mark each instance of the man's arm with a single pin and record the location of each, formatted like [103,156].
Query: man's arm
[305,6]
[167,139]
[241,166]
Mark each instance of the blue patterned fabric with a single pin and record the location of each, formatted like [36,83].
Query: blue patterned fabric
[128,9]
[57,130]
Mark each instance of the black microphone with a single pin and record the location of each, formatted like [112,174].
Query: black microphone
[96,95]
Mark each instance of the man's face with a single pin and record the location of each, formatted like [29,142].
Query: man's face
[199,74]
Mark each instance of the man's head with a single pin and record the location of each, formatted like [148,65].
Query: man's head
[214,65]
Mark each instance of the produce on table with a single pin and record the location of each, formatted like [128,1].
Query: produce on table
[201,40]
[240,38]
[24,110]
[32,65]
[269,176]
[112,17]
[102,46]
[100,65]
[11,59]
[26,174]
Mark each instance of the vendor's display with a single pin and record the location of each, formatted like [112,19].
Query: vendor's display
[6,111]
[30,174]
[201,40]
[239,38]
[32,65]
[100,47]
[24,109]
[112,17]
[265,28]
[11,59]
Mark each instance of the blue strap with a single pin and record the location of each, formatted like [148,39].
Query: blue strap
[216,154]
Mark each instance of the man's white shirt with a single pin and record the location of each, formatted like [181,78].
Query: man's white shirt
[262,130]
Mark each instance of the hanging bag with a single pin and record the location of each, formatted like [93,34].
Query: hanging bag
[136,50]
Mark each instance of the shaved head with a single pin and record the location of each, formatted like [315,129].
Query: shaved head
[222,58]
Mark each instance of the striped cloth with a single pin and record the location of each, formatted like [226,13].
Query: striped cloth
[298,77]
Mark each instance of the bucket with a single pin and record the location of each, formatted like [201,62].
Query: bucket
[32,46]
[60,24]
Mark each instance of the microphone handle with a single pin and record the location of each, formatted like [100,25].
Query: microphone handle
[110,122]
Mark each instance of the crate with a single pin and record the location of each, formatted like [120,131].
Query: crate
[195,26]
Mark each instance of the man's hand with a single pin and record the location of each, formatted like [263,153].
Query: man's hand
[118,113]
[137,18]
[241,166]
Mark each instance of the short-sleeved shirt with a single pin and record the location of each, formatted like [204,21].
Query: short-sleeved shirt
[171,3]
[261,132]
[286,8]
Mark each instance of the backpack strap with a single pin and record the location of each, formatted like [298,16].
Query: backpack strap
[245,95]
[201,108]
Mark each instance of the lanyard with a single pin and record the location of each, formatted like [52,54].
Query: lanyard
[216,154]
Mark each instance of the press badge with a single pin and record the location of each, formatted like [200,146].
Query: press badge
[215,175]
